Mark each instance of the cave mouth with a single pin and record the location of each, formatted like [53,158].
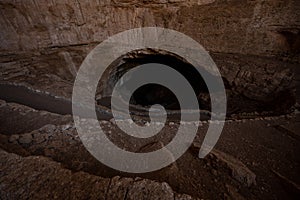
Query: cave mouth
[150,94]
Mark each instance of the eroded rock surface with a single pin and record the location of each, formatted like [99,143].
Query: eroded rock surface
[253,43]
[16,118]
[253,27]
[46,179]
[240,168]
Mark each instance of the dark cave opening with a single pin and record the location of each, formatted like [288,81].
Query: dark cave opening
[150,94]
[147,95]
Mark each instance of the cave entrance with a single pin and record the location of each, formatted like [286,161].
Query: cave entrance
[150,94]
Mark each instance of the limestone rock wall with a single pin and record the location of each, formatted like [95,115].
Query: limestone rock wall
[255,43]
[268,27]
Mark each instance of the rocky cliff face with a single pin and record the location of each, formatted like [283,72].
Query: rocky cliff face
[246,27]
[254,43]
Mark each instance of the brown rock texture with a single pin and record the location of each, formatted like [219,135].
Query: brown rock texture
[247,27]
[238,170]
[52,160]
[40,178]
[254,43]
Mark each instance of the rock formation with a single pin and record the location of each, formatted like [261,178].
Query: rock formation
[255,44]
